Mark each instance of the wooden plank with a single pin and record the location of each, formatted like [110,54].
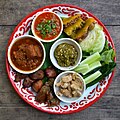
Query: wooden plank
[11,99]
[8,99]
[11,12]
[29,113]
[4,37]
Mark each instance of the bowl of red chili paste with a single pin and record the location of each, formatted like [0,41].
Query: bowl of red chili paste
[26,54]
[47,26]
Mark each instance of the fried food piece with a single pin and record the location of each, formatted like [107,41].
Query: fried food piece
[19,77]
[27,82]
[51,72]
[50,82]
[37,75]
[46,94]
[66,92]
[76,93]
[41,97]
[82,33]
[70,85]
[37,85]
[54,102]
[71,20]
[67,78]
[77,25]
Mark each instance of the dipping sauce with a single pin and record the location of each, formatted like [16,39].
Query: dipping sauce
[47,26]
[66,55]
[26,54]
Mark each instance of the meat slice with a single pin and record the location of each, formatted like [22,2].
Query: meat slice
[19,55]
[37,75]
[67,78]
[38,51]
[19,77]
[66,92]
[33,51]
[51,72]
[41,97]
[50,82]
[54,102]
[37,85]
[23,47]
[27,82]
[42,94]
[50,96]
[46,94]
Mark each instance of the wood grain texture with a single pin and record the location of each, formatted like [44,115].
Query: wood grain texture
[12,11]
[12,106]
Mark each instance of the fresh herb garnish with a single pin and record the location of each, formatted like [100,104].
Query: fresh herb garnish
[46,27]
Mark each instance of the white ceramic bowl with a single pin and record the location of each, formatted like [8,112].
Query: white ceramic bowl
[33,29]
[9,56]
[69,41]
[63,98]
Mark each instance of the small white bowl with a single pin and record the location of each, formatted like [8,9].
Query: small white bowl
[63,98]
[71,42]
[9,56]
[33,29]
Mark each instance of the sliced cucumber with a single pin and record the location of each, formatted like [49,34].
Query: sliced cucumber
[92,77]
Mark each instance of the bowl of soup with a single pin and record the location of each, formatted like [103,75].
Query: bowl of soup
[26,54]
[47,26]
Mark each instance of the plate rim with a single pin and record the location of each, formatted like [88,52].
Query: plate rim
[51,6]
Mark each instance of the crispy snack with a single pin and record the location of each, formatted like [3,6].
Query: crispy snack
[77,25]
[71,20]
[77,28]
[82,33]
[70,86]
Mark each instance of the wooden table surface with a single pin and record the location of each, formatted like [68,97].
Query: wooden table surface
[12,107]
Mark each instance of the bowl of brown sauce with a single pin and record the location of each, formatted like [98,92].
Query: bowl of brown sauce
[26,54]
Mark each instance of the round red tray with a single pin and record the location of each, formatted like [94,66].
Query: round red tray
[92,93]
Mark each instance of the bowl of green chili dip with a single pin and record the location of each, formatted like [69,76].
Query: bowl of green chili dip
[65,54]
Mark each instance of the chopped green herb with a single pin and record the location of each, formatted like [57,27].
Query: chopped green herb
[49,21]
[46,27]
[53,25]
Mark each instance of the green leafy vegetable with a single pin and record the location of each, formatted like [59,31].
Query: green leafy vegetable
[102,62]
[95,40]
[45,80]
[108,56]
[108,64]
